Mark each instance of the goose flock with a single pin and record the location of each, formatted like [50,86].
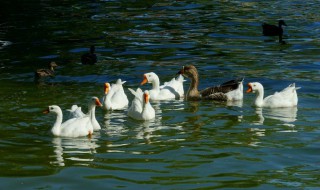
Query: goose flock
[114,98]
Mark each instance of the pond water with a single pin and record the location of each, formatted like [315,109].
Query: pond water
[190,145]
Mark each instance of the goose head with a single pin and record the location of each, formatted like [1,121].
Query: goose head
[106,88]
[94,101]
[52,109]
[189,71]
[149,78]
[146,97]
[254,87]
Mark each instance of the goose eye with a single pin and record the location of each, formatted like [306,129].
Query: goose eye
[51,108]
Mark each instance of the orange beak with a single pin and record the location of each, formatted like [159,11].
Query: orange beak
[249,88]
[46,111]
[98,103]
[106,87]
[146,97]
[145,80]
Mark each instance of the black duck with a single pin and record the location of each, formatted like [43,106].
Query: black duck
[89,58]
[273,30]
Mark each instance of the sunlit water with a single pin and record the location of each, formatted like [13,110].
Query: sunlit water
[189,145]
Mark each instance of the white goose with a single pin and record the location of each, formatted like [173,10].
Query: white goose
[114,97]
[75,127]
[75,112]
[285,98]
[141,108]
[170,90]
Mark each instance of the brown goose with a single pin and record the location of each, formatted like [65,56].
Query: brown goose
[229,91]
[49,72]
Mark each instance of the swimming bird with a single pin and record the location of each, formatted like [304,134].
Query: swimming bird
[89,58]
[75,127]
[75,112]
[286,98]
[49,72]
[169,90]
[229,91]
[140,108]
[273,30]
[115,97]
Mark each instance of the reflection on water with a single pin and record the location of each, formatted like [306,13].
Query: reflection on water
[114,123]
[256,133]
[286,115]
[80,150]
[235,103]
[198,145]
[145,130]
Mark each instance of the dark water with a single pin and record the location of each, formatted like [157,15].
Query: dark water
[190,145]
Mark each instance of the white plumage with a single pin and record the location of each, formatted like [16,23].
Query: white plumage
[115,97]
[141,108]
[169,90]
[285,98]
[75,127]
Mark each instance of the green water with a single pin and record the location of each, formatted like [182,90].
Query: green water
[190,145]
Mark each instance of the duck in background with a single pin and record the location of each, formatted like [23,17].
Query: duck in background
[89,58]
[273,30]
[229,91]
[49,72]
[286,98]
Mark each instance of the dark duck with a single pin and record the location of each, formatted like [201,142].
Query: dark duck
[49,72]
[229,91]
[89,58]
[273,30]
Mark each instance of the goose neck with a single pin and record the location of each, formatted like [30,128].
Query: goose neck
[156,83]
[259,97]
[92,113]
[193,89]
[57,124]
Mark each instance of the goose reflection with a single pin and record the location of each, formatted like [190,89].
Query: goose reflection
[238,103]
[115,123]
[146,129]
[79,150]
[286,115]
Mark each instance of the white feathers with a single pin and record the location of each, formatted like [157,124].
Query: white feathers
[285,98]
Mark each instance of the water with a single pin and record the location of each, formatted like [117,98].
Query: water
[190,145]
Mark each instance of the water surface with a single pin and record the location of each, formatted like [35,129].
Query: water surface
[190,145]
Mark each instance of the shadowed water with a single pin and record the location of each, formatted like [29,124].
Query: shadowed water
[189,145]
